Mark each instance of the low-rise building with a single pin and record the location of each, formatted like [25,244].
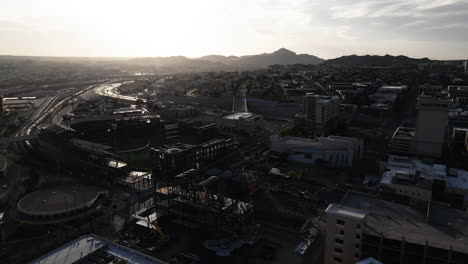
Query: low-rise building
[94,249]
[420,182]
[337,152]
[459,94]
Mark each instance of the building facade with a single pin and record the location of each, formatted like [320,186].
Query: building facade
[364,226]
[319,111]
[343,234]
[337,152]
[431,124]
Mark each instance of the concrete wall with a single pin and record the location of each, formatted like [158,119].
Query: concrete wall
[351,245]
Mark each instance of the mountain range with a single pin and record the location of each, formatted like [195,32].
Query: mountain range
[281,56]
[175,64]
[374,60]
[219,62]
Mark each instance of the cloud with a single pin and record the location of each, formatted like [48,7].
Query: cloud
[343,31]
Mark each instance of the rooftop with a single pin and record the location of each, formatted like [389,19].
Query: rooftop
[105,252]
[59,199]
[369,261]
[396,221]
[330,142]
[241,116]
[419,171]
[348,212]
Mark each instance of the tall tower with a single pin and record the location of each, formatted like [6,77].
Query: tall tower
[431,124]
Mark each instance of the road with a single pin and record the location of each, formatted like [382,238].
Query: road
[109,90]
[49,110]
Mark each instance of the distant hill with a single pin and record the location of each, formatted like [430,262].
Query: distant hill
[374,60]
[281,56]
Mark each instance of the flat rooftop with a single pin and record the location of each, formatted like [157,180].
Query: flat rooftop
[241,116]
[342,211]
[59,199]
[396,221]
[106,252]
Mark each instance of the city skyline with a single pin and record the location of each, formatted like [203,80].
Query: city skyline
[327,29]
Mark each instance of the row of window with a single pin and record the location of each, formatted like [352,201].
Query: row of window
[340,241]
[342,222]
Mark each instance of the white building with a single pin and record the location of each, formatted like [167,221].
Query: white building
[339,152]
[414,179]
[343,234]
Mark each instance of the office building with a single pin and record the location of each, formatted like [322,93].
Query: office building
[431,124]
[428,138]
[319,112]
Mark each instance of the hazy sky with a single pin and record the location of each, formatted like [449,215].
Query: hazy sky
[326,28]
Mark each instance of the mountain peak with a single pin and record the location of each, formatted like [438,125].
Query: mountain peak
[284,51]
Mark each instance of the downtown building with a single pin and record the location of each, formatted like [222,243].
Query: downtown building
[335,151]
[319,113]
[364,226]
[428,138]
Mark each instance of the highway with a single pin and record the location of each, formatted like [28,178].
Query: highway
[49,109]
[109,90]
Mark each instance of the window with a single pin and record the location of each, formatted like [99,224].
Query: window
[358,236]
[341,232]
[358,246]
[358,226]
[339,250]
[337,259]
[339,241]
[340,222]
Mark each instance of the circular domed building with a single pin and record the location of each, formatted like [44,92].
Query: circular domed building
[60,204]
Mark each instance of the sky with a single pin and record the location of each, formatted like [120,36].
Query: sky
[437,29]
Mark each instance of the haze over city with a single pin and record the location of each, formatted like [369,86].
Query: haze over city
[144,28]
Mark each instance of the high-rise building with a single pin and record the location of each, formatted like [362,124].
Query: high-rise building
[431,124]
[319,111]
